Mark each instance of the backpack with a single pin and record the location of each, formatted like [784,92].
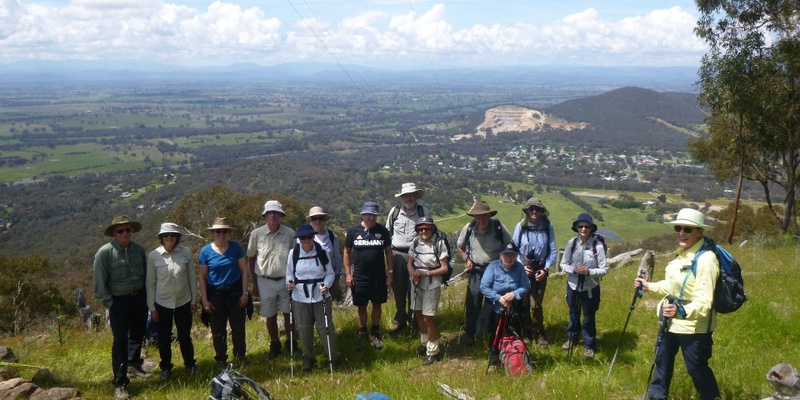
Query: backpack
[231,385]
[497,227]
[438,236]
[729,293]
[514,356]
[396,211]
[320,257]
[597,238]
[546,232]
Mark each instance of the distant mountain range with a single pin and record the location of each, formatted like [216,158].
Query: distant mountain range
[679,79]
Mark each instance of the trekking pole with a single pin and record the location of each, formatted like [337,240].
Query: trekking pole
[662,329]
[291,334]
[636,294]
[498,335]
[327,331]
[578,306]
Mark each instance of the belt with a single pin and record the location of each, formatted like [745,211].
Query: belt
[133,293]
[400,249]
[274,279]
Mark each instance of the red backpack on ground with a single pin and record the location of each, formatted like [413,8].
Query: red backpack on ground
[514,356]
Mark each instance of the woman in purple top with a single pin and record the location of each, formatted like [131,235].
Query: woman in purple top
[222,271]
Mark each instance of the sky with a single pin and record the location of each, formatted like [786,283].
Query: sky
[402,34]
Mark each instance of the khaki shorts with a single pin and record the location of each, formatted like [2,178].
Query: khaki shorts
[274,296]
[427,301]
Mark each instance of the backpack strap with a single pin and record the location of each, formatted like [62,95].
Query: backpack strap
[321,257]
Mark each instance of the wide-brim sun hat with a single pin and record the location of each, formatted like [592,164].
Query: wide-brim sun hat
[690,217]
[304,230]
[169,227]
[481,208]
[220,223]
[584,217]
[122,220]
[534,202]
[273,205]
[317,211]
[510,247]
[370,207]
[409,188]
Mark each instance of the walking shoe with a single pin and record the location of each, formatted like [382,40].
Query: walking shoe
[308,364]
[222,365]
[431,358]
[422,349]
[243,360]
[588,354]
[294,347]
[362,337]
[194,370]
[377,343]
[541,340]
[274,349]
[121,393]
[164,375]
[469,340]
[568,344]
[136,371]
[396,328]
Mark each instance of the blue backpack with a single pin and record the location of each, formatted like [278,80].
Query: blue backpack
[729,293]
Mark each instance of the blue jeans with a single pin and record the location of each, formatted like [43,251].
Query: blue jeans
[589,307]
[696,350]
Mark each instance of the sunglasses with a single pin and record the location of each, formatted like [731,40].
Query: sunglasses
[537,209]
[683,228]
[222,231]
[317,218]
[169,235]
[584,227]
[424,229]
[124,230]
[307,237]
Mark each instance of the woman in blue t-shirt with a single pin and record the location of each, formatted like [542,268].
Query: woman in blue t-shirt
[222,271]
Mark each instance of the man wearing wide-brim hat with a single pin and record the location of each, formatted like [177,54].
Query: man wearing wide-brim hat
[119,279]
[401,223]
[479,243]
[690,320]
[267,252]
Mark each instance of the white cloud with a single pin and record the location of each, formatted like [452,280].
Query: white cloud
[226,32]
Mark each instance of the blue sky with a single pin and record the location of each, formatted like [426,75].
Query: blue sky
[379,33]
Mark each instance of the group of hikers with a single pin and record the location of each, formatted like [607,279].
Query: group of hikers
[295,273]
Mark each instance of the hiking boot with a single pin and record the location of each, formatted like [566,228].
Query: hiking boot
[308,364]
[396,328]
[377,343]
[568,344]
[541,340]
[121,393]
[588,354]
[136,371]
[243,360]
[422,350]
[431,358]
[194,370]
[222,365]
[469,340]
[274,349]
[164,375]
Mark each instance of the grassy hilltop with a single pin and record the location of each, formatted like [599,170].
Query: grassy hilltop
[747,344]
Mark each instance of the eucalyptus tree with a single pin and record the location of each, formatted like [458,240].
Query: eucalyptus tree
[750,82]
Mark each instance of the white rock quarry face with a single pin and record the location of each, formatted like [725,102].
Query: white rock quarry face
[519,119]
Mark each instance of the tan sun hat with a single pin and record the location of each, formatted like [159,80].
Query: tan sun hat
[122,220]
[480,208]
[220,223]
[317,211]
[408,188]
[690,217]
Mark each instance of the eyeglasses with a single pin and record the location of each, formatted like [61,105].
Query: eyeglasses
[221,231]
[169,235]
[317,218]
[584,227]
[124,230]
[424,229]
[307,237]
[686,229]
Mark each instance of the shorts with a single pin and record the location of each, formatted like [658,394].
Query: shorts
[274,296]
[374,291]
[427,301]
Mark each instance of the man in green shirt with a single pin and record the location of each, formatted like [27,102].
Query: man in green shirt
[119,274]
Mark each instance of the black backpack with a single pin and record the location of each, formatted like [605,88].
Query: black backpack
[729,293]
[438,236]
[321,258]
[546,229]
[231,385]
[497,227]
[396,211]
[598,238]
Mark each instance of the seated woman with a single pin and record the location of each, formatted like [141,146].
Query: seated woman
[504,284]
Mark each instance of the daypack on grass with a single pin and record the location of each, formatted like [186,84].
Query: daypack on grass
[729,293]
[514,356]
[231,385]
